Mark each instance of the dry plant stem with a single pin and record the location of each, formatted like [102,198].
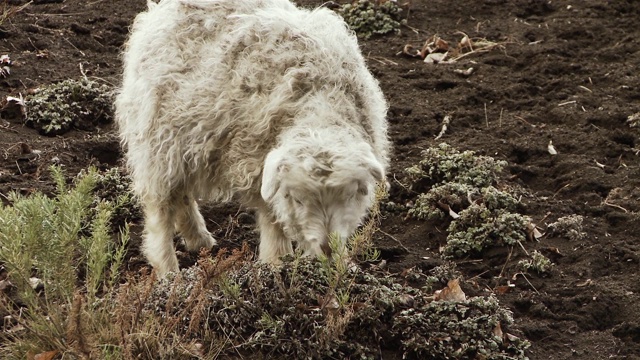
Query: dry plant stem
[529,282]
[476,51]
[605,202]
[505,263]
[396,240]
[523,249]
[486,117]
[445,123]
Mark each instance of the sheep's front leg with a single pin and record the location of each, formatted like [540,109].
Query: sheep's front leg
[273,242]
[157,242]
[191,225]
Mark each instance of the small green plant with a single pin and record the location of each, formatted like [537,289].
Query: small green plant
[71,103]
[538,262]
[372,17]
[463,186]
[71,250]
[568,226]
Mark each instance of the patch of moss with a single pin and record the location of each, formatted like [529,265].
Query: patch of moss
[57,108]
[367,18]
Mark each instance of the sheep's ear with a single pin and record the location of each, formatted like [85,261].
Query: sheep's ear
[274,167]
[375,169]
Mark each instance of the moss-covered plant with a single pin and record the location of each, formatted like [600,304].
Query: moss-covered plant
[372,17]
[464,187]
[57,108]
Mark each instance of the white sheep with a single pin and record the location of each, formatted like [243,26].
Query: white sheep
[254,100]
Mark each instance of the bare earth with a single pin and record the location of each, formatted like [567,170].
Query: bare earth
[565,72]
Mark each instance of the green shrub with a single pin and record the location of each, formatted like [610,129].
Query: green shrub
[68,246]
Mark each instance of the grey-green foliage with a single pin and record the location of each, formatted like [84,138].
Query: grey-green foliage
[299,311]
[479,228]
[445,164]
[465,184]
[114,185]
[538,262]
[568,226]
[367,18]
[71,103]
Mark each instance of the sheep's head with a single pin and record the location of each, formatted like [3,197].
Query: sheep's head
[316,192]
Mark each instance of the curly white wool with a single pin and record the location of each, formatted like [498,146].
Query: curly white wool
[252,99]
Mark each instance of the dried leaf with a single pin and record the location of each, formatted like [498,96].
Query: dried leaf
[551,149]
[532,232]
[410,51]
[497,331]
[511,337]
[441,45]
[435,58]
[585,283]
[466,43]
[452,292]
[453,214]
[467,72]
[49,355]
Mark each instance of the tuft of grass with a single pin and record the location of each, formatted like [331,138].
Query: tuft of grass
[82,104]
[464,186]
[367,18]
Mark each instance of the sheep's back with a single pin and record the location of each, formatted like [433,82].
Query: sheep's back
[208,85]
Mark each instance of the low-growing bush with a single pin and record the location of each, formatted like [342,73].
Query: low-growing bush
[465,187]
[369,17]
[82,104]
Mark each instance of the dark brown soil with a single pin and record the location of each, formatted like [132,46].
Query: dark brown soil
[567,72]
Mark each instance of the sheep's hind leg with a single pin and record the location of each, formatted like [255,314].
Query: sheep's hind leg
[273,242]
[157,243]
[192,227]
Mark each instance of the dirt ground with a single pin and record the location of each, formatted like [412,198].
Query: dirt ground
[565,72]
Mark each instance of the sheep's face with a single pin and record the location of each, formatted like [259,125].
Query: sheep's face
[313,195]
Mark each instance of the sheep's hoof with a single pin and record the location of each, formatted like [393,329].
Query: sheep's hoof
[205,241]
